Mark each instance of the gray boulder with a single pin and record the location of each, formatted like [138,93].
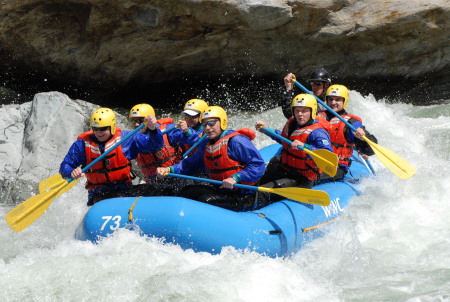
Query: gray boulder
[34,138]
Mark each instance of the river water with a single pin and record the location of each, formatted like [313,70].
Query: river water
[393,244]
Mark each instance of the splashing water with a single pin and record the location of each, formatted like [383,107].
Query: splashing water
[392,244]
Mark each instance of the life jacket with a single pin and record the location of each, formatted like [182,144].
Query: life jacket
[321,117]
[114,169]
[296,160]
[218,164]
[247,132]
[341,146]
[166,156]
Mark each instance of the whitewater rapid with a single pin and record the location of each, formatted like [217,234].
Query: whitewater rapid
[393,243]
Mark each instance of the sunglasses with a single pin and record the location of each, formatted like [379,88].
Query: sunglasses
[99,128]
[209,123]
[316,83]
[138,121]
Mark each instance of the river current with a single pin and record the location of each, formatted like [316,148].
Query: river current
[393,243]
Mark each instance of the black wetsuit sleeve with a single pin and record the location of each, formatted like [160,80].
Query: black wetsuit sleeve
[285,102]
[362,146]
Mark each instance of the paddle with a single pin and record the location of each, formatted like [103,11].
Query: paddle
[368,165]
[53,182]
[390,159]
[31,209]
[195,145]
[324,159]
[57,180]
[297,194]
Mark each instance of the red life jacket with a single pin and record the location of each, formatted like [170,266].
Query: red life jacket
[321,117]
[247,132]
[341,146]
[166,156]
[219,165]
[322,114]
[296,160]
[114,169]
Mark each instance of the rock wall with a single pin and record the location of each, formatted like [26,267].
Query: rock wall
[112,44]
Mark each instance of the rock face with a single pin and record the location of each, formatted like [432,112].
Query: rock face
[32,152]
[118,43]
[34,138]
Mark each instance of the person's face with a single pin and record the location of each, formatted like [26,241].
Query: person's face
[136,122]
[211,127]
[191,121]
[103,134]
[336,103]
[302,114]
[318,87]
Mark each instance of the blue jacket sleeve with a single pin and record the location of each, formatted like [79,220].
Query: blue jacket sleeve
[319,139]
[349,136]
[241,149]
[75,157]
[152,141]
[189,138]
[175,136]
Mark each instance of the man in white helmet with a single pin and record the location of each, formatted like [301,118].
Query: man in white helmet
[191,129]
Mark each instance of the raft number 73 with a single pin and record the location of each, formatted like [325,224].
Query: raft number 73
[114,220]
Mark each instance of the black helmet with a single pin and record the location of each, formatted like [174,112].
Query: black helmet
[320,75]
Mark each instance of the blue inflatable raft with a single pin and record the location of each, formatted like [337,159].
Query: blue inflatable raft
[277,230]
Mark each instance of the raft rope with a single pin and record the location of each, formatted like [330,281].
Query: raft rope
[130,211]
[320,224]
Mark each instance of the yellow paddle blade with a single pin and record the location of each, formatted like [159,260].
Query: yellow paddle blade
[54,182]
[320,198]
[31,209]
[327,161]
[392,161]
[51,183]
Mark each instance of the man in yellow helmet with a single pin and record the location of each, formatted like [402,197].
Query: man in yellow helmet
[114,172]
[168,154]
[296,168]
[344,140]
[176,140]
[227,156]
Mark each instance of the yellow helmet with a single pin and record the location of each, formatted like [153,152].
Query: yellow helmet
[338,90]
[216,111]
[141,110]
[305,100]
[194,107]
[104,117]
